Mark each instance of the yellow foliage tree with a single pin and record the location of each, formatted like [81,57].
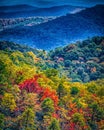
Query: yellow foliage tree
[8,102]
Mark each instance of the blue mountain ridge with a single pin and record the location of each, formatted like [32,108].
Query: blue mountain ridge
[28,11]
[61,31]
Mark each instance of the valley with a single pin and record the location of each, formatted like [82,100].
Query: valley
[51,65]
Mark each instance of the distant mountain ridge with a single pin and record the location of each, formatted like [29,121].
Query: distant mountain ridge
[28,11]
[61,31]
[16,8]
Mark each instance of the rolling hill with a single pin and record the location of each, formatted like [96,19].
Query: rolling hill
[80,61]
[61,31]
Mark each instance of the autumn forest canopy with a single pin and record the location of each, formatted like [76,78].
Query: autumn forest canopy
[60,89]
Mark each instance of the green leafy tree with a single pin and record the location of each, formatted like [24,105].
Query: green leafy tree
[1,121]
[27,120]
[97,111]
[48,106]
[74,91]
[51,72]
[78,119]
[8,102]
[61,90]
[100,92]
[54,125]
[92,88]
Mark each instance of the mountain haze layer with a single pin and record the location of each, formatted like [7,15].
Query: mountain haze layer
[28,11]
[61,31]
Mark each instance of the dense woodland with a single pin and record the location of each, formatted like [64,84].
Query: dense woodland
[58,90]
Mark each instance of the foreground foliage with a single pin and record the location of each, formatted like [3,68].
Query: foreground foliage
[32,98]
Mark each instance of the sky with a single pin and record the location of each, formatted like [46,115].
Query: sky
[49,3]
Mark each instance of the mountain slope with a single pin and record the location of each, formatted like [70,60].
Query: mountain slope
[61,31]
[81,61]
[34,99]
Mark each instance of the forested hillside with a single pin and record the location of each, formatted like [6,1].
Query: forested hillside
[82,61]
[37,94]
[19,22]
